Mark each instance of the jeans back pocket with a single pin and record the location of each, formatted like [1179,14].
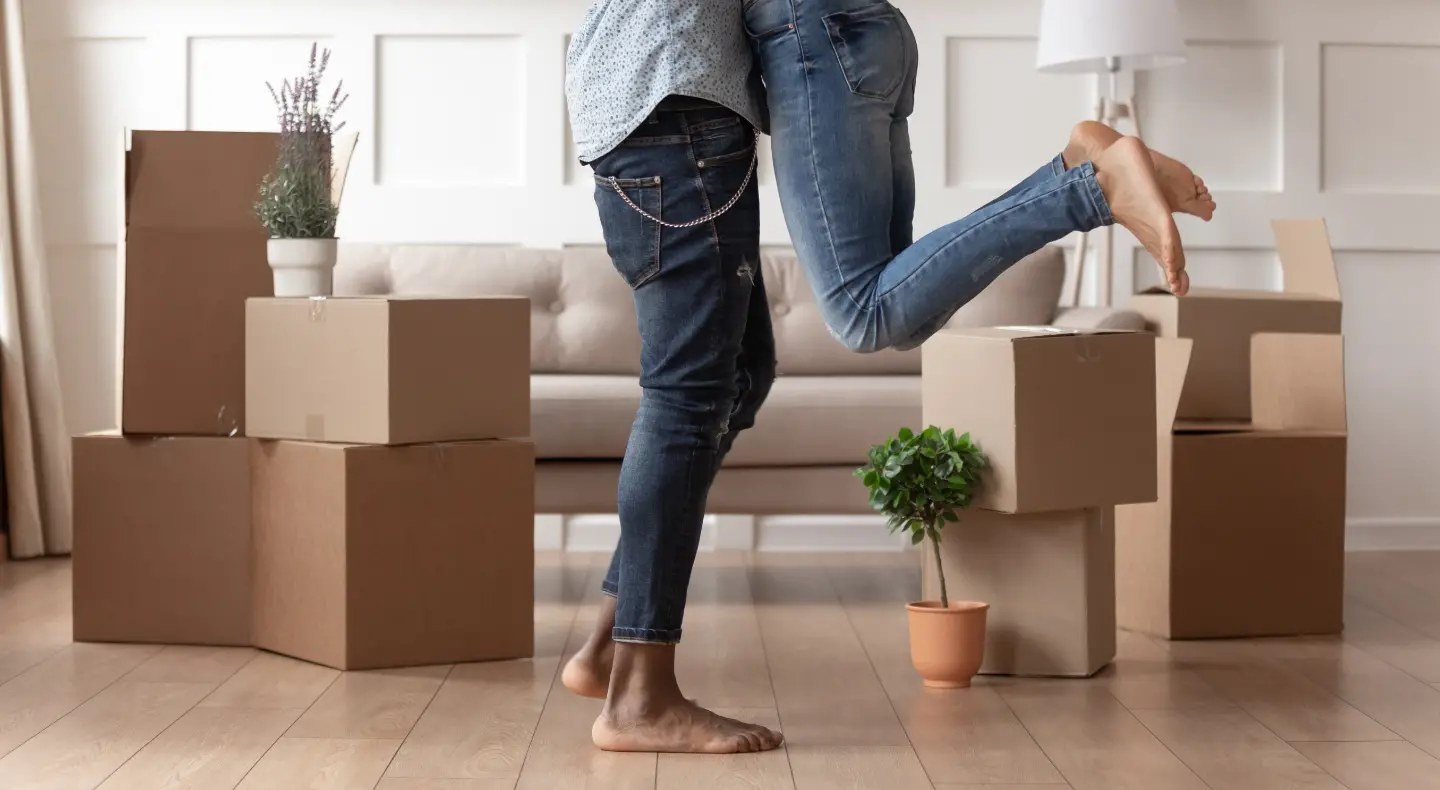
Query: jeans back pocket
[631,239]
[870,45]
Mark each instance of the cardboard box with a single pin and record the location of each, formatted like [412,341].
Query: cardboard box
[1050,581]
[370,557]
[388,370]
[1248,535]
[162,540]
[1222,321]
[1065,416]
[191,252]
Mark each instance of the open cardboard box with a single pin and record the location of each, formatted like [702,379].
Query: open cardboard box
[1221,321]
[191,252]
[1247,537]
[1065,416]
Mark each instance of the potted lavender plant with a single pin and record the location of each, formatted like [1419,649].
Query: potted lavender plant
[300,197]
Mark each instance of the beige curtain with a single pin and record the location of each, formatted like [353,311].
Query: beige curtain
[37,445]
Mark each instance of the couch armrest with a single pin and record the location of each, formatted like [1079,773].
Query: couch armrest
[1098,318]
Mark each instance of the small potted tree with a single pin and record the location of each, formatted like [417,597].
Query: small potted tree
[300,197]
[919,481]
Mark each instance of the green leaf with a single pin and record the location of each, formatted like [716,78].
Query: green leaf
[870,478]
[906,434]
[916,537]
[950,516]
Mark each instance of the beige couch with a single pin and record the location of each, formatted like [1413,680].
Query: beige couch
[826,409]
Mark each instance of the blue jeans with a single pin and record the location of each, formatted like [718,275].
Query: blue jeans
[707,352]
[840,75]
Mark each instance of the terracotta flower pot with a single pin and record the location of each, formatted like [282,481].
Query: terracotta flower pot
[947,645]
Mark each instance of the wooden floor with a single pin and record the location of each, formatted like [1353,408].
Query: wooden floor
[813,644]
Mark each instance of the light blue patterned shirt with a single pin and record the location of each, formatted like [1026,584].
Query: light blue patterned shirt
[628,55]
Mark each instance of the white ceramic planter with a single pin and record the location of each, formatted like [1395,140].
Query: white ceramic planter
[303,267]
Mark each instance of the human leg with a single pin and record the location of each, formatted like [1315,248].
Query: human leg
[836,73]
[588,672]
[692,288]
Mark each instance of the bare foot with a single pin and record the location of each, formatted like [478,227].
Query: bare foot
[1128,179]
[679,726]
[1184,191]
[588,671]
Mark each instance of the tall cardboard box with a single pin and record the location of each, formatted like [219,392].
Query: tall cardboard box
[1248,535]
[162,540]
[388,370]
[1221,321]
[1050,581]
[191,252]
[1066,417]
[369,557]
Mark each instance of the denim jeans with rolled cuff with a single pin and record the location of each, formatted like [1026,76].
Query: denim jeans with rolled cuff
[707,352]
[840,80]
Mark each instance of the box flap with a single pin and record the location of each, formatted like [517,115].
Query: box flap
[1306,258]
[1172,361]
[1213,426]
[342,150]
[1297,382]
[196,180]
[1026,332]
[1231,293]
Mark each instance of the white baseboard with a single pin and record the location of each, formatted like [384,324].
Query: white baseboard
[868,533]
[825,533]
[1392,534]
[600,532]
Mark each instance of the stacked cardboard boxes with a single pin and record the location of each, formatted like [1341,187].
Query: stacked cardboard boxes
[162,509]
[387,519]
[1066,419]
[1247,537]
[393,517]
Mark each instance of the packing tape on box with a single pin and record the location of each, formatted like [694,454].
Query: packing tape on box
[1087,351]
[441,455]
[317,308]
[228,426]
[315,427]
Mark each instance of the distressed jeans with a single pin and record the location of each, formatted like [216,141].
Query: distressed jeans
[840,76]
[707,352]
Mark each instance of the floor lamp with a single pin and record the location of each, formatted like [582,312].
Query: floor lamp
[1105,38]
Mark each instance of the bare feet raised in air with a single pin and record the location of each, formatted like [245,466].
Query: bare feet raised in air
[646,712]
[1184,191]
[1127,177]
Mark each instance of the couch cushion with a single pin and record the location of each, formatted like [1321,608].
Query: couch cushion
[807,421]
[583,316]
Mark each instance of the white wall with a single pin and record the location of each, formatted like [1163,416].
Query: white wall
[1288,107]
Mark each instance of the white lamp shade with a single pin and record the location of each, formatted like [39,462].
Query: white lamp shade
[1082,36]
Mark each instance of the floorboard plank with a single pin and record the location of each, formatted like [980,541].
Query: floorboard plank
[1391,765]
[43,694]
[1095,742]
[1293,707]
[88,744]
[184,664]
[481,721]
[381,704]
[840,728]
[271,681]
[1229,749]
[207,749]
[321,764]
